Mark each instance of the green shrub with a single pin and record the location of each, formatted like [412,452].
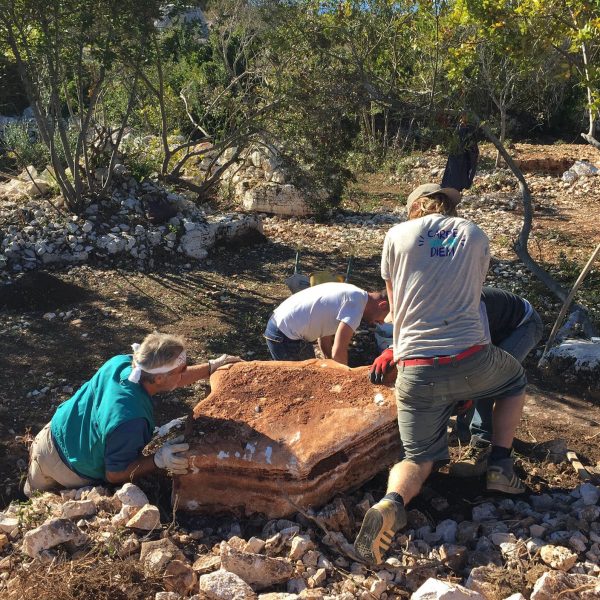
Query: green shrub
[143,158]
[22,145]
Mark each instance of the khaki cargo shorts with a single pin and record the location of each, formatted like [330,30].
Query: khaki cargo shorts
[426,395]
[47,471]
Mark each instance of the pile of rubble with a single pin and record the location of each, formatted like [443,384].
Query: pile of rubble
[125,227]
[542,547]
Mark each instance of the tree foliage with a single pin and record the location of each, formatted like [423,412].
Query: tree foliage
[317,79]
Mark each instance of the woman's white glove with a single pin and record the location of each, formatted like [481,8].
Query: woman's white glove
[224,359]
[167,456]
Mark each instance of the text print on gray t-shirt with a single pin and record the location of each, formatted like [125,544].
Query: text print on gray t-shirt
[437,266]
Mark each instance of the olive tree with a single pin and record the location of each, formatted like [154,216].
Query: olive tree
[67,52]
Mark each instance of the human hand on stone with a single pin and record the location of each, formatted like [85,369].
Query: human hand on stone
[224,359]
[381,365]
[168,456]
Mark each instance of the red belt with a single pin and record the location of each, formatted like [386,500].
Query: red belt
[440,360]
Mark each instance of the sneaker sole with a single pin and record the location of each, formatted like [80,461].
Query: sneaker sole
[376,535]
[507,488]
[370,532]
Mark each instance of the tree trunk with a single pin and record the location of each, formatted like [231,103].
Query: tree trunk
[520,244]
[502,133]
[590,136]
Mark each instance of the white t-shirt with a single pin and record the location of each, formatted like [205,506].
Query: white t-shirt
[317,311]
[437,265]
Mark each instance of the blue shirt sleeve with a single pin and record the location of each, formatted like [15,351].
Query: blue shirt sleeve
[125,443]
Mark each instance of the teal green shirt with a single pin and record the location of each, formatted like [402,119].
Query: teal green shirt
[81,425]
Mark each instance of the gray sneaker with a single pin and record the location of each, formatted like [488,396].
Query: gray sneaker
[473,462]
[501,477]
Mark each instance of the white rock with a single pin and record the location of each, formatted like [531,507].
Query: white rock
[50,534]
[126,513]
[300,545]
[318,579]
[8,523]
[484,512]
[558,557]
[223,585]
[278,176]
[254,545]
[198,241]
[433,589]
[517,596]
[74,509]
[156,555]
[147,518]
[513,550]
[377,588]
[278,596]
[589,493]
[447,530]
[552,583]
[578,542]
[130,546]
[257,570]
[132,495]
[167,596]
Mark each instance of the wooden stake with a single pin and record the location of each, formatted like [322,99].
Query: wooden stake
[572,458]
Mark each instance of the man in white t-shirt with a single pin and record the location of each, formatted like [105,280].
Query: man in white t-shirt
[328,313]
[434,266]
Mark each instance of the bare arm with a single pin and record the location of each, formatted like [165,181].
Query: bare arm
[343,335]
[390,296]
[326,345]
[144,465]
[194,373]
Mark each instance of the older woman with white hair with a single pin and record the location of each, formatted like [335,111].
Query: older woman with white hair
[99,433]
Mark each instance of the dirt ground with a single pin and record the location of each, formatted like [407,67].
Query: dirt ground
[222,305]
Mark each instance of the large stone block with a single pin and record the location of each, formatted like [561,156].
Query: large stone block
[285,200]
[272,435]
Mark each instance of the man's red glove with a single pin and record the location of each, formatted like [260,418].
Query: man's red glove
[382,364]
[462,407]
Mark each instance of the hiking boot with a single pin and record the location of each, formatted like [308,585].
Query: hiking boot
[379,526]
[473,462]
[501,477]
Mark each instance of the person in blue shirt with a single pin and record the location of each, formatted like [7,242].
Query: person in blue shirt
[99,433]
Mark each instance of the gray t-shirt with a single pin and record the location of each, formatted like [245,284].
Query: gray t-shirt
[437,266]
[317,311]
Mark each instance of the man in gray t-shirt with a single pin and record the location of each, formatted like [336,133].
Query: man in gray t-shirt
[434,266]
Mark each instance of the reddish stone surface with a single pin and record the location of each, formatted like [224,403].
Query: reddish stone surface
[270,431]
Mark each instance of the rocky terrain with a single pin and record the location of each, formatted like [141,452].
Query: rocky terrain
[543,546]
